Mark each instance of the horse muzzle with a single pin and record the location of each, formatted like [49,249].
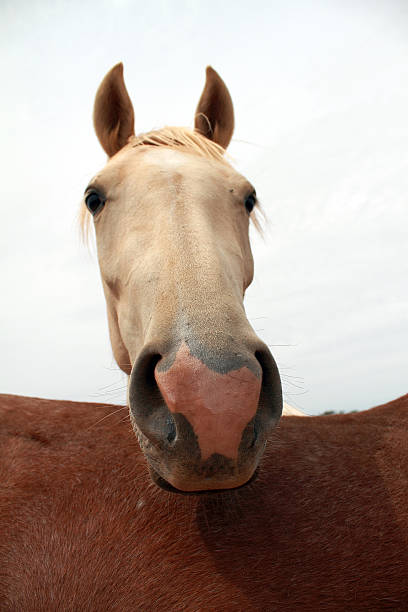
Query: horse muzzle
[203,417]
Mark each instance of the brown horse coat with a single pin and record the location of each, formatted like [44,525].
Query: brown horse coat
[323,527]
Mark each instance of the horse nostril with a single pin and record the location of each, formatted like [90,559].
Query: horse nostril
[270,401]
[150,379]
[147,406]
[171,429]
[255,434]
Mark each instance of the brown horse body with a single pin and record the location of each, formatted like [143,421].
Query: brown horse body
[323,527]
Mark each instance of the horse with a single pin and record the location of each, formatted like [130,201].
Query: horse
[197,495]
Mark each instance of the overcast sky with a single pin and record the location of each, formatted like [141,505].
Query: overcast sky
[320,91]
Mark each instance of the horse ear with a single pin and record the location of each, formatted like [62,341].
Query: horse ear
[215,113]
[113,112]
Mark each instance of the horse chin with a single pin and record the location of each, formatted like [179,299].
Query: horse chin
[162,483]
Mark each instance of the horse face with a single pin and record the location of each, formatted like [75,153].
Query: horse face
[171,219]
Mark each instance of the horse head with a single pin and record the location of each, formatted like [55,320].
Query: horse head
[171,218]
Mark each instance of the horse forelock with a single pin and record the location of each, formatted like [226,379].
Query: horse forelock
[176,137]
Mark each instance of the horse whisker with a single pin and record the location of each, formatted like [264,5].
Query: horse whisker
[107,415]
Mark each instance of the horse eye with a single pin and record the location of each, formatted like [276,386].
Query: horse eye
[250,202]
[94,202]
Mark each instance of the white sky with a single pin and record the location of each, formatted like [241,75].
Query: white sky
[321,96]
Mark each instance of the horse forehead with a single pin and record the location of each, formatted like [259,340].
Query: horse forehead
[171,159]
[165,162]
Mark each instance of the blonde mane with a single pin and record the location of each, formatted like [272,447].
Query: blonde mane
[173,137]
[176,137]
